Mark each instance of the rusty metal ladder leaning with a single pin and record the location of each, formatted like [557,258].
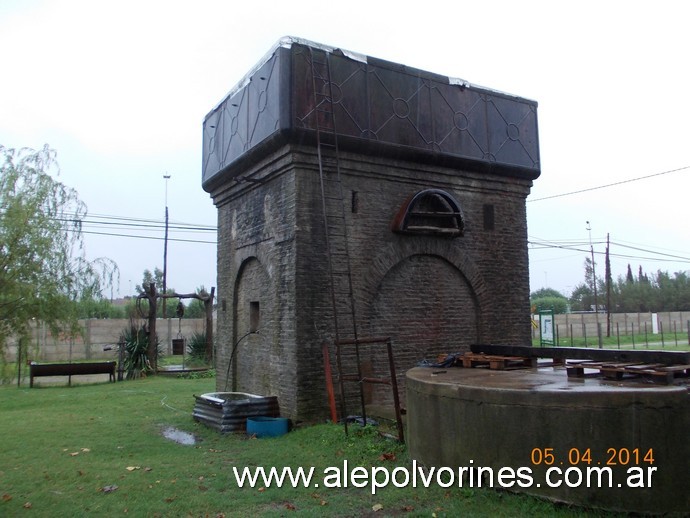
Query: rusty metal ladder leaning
[335,227]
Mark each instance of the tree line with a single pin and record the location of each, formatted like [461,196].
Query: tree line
[641,292]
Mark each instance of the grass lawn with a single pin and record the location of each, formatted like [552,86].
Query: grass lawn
[99,449]
[642,342]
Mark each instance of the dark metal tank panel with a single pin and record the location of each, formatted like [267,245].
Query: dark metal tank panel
[380,107]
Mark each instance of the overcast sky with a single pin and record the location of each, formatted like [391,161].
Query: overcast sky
[120,90]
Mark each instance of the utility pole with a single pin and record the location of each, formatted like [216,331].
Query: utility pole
[608,287]
[594,274]
[166,177]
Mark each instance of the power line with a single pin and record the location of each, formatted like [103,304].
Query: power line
[652,251]
[148,237]
[668,258]
[611,184]
[137,220]
[137,225]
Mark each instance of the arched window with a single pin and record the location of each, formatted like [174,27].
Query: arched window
[430,212]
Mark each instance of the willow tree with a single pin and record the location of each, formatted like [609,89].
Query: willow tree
[43,267]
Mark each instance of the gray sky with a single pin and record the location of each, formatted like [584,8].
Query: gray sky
[120,90]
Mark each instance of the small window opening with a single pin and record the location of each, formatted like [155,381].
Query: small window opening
[254,316]
[488,217]
[355,202]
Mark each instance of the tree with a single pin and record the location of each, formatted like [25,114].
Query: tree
[590,274]
[582,298]
[43,267]
[196,308]
[546,292]
[157,279]
[629,276]
[147,278]
[548,298]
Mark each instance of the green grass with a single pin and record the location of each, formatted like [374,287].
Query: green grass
[62,446]
[638,341]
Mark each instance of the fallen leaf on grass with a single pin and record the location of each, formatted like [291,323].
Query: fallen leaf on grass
[109,489]
[262,489]
[170,499]
[74,454]
[387,456]
[376,507]
[132,468]
[27,505]
[86,450]
[6,497]
[290,507]
[148,469]
[408,508]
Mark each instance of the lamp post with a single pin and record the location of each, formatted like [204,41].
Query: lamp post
[166,177]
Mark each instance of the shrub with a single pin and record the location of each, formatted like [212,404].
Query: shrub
[196,347]
[136,361]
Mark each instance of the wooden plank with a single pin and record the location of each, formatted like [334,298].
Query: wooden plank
[496,362]
[616,374]
[645,367]
[675,368]
[658,376]
[581,353]
[655,372]
[620,365]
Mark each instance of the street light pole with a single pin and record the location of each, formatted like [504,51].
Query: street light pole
[165,246]
[594,274]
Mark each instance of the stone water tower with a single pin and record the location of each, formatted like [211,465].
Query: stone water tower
[360,197]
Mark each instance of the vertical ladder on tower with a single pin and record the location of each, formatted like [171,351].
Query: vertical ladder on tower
[335,224]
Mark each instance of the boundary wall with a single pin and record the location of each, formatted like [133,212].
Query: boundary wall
[99,338]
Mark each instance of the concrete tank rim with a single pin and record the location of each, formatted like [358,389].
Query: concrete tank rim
[533,381]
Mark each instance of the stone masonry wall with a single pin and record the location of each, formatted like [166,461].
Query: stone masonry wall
[256,283]
[432,295]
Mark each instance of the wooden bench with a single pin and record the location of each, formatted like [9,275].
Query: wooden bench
[71,369]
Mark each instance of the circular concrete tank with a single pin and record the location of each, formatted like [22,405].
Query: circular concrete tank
[622,437]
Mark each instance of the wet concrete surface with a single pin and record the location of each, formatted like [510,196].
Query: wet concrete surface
[541,379]
[499,418]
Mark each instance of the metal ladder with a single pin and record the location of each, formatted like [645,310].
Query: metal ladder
[335,224]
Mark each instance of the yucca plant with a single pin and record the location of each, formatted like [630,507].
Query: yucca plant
[196,348]
[136,363]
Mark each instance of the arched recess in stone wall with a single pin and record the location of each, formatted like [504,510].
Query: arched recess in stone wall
[255,368]
[428,301]
[394,253]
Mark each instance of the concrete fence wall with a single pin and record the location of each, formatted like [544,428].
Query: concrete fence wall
[579,325]
[97,335]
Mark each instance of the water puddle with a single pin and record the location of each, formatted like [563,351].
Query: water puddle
[179,436]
